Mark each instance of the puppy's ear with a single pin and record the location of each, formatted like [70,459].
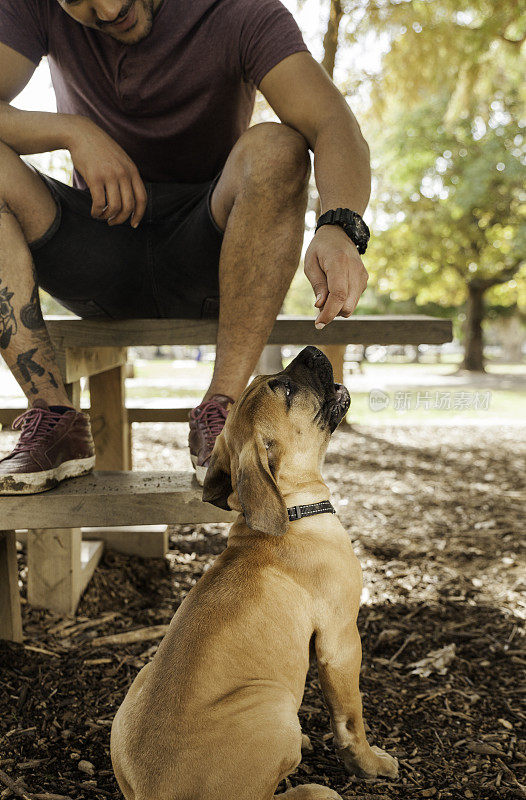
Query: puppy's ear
[261,500]
[218,485]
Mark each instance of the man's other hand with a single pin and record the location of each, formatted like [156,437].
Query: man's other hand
[337,274]
[117,190]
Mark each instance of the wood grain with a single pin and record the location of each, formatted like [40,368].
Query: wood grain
[53,565]
[416,329]
[10,617]
[109,421]
[114,498]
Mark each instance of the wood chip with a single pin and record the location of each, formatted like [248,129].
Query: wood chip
[131,637]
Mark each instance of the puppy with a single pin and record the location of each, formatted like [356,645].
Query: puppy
[214,715]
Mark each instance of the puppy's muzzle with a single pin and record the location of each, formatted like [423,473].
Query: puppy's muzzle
[311,368]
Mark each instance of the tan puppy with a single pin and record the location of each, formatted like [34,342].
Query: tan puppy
[214,716]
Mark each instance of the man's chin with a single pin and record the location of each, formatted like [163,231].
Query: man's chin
[140,30]
[130,37]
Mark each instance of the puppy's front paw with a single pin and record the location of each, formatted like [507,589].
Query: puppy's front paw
[386,765]
[370,763]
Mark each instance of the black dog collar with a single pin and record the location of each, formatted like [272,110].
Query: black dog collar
[297,512]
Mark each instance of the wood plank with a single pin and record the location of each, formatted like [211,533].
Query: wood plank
[157,414]
[415,329]
[336,354]
[147,541]
[81,362]
[109,421]
[73,392]
[53,565]
[90,555]
[10,616]
[8,415]
[107,499]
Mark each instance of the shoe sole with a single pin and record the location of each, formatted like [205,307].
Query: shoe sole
[200,471]
[36,482]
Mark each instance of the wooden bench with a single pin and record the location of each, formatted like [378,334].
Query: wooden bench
[59,563]
[57,574]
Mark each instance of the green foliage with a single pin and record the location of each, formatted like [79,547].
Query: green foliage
[447,134]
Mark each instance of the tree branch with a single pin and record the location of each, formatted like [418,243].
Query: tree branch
[502,277]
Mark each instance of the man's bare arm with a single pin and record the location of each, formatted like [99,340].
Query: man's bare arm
[304,97]
[116,187]
[26,131]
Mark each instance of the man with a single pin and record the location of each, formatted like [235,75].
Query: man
[178,209]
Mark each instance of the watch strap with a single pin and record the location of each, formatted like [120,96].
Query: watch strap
[351,222]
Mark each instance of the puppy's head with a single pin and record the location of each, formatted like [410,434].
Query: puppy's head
[274,440]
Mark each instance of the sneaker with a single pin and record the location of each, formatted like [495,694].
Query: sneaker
[206,423]
[52,446]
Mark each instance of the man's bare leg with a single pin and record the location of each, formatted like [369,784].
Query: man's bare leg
[260,203]
[27,211]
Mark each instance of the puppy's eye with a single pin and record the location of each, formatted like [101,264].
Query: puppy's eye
[287,387]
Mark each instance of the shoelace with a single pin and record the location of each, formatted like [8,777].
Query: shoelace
[35,423]
[213,415]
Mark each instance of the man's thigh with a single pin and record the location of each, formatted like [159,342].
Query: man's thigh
[26,194]
[186,251]
[167,267]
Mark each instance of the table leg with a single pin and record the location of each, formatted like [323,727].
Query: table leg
[335,353]
[109,421]
[10,616]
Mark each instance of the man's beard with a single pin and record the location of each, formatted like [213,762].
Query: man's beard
[133,36]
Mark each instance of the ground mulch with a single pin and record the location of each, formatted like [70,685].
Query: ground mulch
[436,517]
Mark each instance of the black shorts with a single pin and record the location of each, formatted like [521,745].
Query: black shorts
[167,267]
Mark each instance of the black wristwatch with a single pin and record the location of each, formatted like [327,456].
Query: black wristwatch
[352,224]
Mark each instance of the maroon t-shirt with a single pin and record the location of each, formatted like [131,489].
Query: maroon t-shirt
[178,100]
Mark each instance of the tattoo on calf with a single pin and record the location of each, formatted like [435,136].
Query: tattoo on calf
[8,325]
[29,367]
[35,368]
[31,314]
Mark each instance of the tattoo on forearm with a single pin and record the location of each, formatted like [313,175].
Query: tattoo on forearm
[31,314]
[52,380]
[8,324]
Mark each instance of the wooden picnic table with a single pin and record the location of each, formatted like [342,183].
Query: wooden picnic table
[59,562]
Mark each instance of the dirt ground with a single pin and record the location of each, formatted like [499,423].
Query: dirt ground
[435,516]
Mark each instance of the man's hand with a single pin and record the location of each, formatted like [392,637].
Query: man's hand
[117,190]
[337,274]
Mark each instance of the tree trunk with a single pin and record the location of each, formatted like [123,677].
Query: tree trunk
[474,344]
[330,40]
[512,336]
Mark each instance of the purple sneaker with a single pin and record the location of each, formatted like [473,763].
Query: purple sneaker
[206,423]
[52,446]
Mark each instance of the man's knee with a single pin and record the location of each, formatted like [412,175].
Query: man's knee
[11,168]
[276,155]
[25,193]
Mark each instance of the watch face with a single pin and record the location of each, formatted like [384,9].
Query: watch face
[361,227]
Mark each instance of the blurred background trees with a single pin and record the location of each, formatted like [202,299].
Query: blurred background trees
[447,118]
[444,115]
